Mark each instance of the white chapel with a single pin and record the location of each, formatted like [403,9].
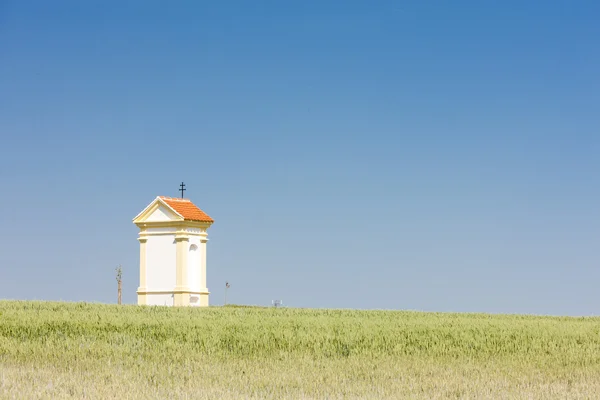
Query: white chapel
[173,253]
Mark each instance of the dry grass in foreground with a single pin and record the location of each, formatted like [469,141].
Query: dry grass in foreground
[77,350]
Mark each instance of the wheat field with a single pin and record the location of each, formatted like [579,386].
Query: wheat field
[54,350]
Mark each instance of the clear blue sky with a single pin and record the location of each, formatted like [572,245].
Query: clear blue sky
[428,155]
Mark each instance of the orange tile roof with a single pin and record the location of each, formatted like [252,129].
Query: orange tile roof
[187,209]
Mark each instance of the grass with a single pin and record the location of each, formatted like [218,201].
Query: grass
[78,350]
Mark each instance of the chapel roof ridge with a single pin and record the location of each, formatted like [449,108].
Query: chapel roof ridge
[174,198]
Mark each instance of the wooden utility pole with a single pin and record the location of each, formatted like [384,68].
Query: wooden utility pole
[119,282]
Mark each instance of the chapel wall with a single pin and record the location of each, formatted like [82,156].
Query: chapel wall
[162,299]
[193,267]
[161,263]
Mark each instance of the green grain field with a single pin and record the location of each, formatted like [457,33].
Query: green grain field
[93,351]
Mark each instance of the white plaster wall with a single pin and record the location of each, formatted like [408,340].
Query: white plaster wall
[160,263]
[193,266]
[159,299]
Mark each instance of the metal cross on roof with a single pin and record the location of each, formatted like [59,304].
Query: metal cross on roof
[182,189]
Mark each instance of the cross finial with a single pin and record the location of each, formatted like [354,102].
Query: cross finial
[182,189]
